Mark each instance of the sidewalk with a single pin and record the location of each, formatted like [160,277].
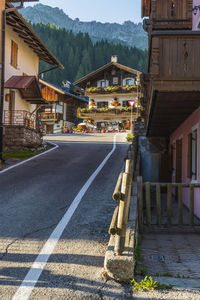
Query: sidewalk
[171,252]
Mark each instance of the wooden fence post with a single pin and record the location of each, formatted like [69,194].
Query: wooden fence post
[180,204]
[192,205]
[169,203]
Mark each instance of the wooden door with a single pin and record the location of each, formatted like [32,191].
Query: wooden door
[179,160]
[49,129]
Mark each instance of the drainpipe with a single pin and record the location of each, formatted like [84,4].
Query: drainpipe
[48,70]
[4,13]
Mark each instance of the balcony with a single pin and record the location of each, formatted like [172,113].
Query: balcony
[112,89]
[19,118]
[172,86]
[168,15]
[51,117]
[107,113]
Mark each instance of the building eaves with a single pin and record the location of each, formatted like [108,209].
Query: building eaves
[25,32]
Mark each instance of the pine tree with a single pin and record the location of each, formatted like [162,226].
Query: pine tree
[80,56]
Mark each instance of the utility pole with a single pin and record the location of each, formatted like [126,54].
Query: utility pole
[137,83]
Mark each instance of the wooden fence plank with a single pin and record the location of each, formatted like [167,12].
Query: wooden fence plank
[180,204]
[191,205]
[158,202]
[169,203]
[148,203]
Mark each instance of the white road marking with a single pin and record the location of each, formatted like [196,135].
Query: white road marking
[29,159]
[34,273]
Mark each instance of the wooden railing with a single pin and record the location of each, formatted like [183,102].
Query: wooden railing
[174,193]
[122,194]
[19,118]
[50,116]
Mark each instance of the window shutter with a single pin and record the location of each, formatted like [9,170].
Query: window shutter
[189,156]
[14,54]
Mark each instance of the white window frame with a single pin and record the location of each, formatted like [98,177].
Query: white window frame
[128,78]
[99,83]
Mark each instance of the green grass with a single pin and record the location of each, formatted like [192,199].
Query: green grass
[19,154]
[149,284]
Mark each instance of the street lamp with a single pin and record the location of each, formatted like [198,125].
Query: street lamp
[132,103]
[138,84]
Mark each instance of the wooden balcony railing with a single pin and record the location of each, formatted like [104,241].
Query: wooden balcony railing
[111,89]
[50,116]
[19,118]
[107,112]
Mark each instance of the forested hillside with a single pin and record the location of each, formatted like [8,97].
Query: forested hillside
[128,33]
[80,56]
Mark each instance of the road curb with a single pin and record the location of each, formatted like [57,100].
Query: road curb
[29,159]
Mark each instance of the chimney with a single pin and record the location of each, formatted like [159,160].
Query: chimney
[114,58]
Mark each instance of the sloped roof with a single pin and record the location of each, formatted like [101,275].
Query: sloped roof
[83,81]
[28,87]
[26,33]
[63,90]
[19,82]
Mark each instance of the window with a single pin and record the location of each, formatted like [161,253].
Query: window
[128,81]
[192,155]
[102,83]
[125,103]
[14,54]
[102,104]
[115,80]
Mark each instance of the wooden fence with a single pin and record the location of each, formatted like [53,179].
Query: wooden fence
[174,192]
[122,194]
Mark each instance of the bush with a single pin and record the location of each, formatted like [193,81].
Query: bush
[129,137]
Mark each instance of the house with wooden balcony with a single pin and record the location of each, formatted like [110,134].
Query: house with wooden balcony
[110,88]
[172,88]
[62,103]
[22,93]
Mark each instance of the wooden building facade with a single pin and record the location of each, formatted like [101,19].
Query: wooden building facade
[60,112]
[172,86]
[110,88]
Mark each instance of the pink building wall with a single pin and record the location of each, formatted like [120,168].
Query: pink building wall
[182,132]
[196,19]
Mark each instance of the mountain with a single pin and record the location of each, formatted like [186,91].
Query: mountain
[128,33]
[80,56]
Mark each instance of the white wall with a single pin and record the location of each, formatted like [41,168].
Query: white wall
[110,98]
[28,62]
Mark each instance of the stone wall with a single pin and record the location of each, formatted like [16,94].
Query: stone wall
[16,137]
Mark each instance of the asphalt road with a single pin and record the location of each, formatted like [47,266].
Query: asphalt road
[33,199]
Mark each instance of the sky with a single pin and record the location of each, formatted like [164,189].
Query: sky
[99,10]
